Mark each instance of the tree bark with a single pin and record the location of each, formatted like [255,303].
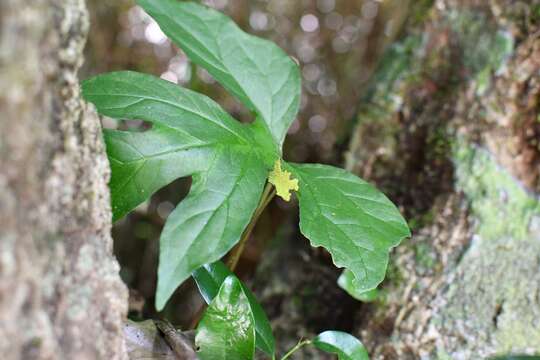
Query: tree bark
[450,131]
[60,293]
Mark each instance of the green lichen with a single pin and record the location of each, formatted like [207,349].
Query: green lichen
[485,48]
[424,256]
[398,65]
[384,96]
[482,43]
[518,334]
[502,261]
[500,204]
[443,355]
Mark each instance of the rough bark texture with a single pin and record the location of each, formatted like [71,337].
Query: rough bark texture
[60,293]
[450,130]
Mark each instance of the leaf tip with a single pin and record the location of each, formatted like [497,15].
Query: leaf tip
[164,292]
[159,303]
[281,179]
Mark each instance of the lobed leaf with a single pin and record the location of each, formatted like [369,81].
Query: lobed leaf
[191,135]
[209,279]
[226,331]
[256,71]
[186,127]
[355,222]
[131,95]
[141,165]
[344,345]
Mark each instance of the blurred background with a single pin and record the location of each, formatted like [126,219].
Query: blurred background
[437,103]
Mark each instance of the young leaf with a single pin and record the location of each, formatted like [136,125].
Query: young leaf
[356,223]
[226,331]
[209,279]
[256,71]
[346,346]
[346,281]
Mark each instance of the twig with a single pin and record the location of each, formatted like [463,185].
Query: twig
[176,340]
[295,348]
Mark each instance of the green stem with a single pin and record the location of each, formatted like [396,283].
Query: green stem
[295,348]
[237,251]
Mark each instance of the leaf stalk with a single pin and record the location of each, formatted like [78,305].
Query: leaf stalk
[295,348]
[268,194]
[232,261]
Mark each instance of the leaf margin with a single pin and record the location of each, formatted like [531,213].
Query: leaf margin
[314,237]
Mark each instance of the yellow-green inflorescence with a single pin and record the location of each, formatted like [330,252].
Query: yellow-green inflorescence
[282,180]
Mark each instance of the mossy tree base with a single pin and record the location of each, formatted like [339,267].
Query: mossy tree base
[454,111]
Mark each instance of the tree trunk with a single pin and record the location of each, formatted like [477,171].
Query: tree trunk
[60,293]
[450,130]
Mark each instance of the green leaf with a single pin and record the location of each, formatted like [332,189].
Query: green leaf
[355,222]
[191,135]
[186,126]
[141,164]
[226,331]
[229,161]
[211,219]
[344,345]
[132,95]
[346,281]
[209,279]
[256,71]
